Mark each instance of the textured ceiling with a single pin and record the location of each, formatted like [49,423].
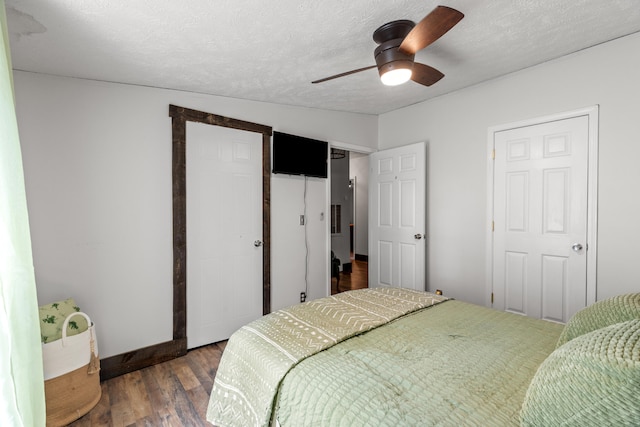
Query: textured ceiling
[271,51]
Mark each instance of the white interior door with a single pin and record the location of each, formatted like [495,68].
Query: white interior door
[540,214]
[224,220]
[397,217]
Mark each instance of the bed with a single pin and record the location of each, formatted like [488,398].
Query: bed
[394,357]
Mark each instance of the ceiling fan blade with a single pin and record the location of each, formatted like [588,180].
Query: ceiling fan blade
[431,28]
[425,75]
[344,74]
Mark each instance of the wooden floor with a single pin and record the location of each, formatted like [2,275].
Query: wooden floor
[176,393]
[357,279]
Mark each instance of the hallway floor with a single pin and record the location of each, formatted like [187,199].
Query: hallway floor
[357,279]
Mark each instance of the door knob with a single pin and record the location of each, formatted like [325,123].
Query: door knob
[577,247]
[418,236]
[257,243]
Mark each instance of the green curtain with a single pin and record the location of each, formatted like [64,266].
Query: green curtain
[21,379]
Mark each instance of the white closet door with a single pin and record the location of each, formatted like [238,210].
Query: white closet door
[540,211]
[224,220]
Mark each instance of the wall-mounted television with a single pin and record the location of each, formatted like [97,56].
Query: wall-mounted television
[297,155]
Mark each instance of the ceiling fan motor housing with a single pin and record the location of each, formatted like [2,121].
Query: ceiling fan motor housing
[393,30]
[388,57]
[389,37]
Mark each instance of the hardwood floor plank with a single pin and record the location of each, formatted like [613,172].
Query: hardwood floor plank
[171,384]
[122,415]
[121,410]
[183,371]
[198,365]
[138,395]
[116,391]
[199,398]
[147,422]
[159,399]
[187,412]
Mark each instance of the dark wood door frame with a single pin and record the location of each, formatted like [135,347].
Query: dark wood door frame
[137,359]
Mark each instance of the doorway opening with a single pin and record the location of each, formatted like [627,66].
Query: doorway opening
[349,224]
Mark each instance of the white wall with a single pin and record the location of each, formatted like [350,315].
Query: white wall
[455,128]
[97,161]
[299,256]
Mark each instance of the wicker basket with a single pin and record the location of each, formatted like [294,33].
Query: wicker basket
[71,373]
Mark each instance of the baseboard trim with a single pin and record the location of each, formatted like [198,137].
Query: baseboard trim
[359,257]
[141,358]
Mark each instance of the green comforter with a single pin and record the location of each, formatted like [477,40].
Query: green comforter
[260,354]
[455,364]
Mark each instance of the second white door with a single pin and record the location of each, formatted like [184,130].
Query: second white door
[397,217]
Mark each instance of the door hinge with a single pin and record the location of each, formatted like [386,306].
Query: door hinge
[491,297]
[493,154]
[493,226]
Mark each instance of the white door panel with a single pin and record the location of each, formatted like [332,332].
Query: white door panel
[397,215]
[540,211]
[224,219]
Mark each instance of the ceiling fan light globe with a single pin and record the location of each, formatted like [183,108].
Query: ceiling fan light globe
[396,76]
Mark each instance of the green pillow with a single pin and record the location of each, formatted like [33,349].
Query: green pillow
[52,317]
[603,313]
[593,380]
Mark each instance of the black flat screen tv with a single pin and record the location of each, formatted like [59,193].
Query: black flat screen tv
[297,155]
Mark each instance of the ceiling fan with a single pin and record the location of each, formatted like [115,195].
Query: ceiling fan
[398,42]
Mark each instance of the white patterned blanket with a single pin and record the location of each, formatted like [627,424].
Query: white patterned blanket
[259,355]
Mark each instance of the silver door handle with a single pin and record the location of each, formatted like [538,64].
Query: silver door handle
[258,243]
[418,236]
[577,247]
